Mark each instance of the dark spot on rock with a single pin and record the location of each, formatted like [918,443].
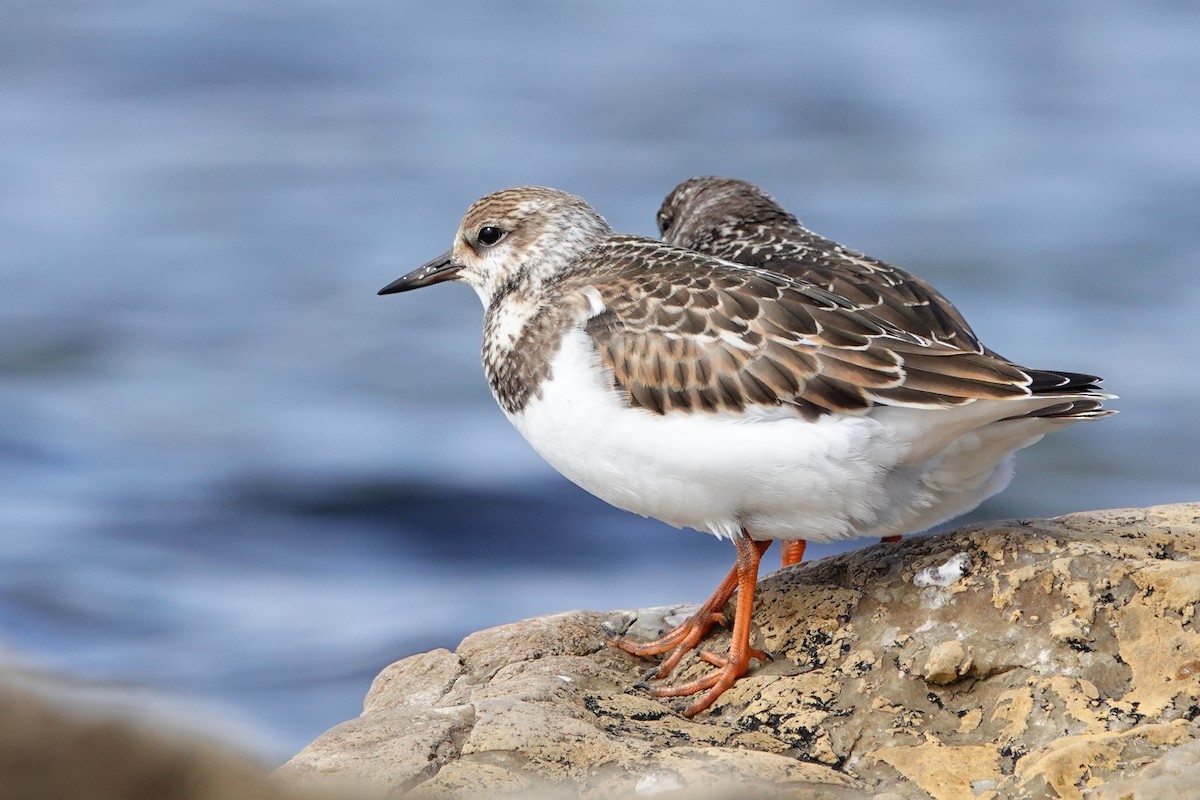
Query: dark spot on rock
[648,716]
[1013,752]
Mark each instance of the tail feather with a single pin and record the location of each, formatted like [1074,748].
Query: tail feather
[1082,395]
[1046,380]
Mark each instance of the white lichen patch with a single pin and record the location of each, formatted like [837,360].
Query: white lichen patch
[948,574]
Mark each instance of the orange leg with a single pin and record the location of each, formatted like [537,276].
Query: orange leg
[733,666]
[793,553]
[684,638]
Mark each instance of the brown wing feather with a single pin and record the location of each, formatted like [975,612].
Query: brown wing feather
[694,333]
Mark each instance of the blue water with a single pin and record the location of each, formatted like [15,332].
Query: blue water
[237,480]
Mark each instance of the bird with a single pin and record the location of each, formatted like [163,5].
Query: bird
[738,221]
[729,399]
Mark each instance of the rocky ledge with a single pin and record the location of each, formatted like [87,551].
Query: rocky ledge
[1028,658]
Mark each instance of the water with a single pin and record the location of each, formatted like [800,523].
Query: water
[235,479]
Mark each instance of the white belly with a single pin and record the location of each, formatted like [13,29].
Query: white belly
[774,473]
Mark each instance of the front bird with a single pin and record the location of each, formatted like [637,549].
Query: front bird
[729,399]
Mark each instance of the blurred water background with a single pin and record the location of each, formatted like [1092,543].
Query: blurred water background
[236,482]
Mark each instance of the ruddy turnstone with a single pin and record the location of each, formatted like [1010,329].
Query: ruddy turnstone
[731,399]
[737,221]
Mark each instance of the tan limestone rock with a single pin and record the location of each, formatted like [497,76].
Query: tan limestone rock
[1038,658]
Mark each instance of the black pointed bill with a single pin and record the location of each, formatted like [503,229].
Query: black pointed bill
[438,270]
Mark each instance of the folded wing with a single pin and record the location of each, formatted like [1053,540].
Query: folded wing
[696,333]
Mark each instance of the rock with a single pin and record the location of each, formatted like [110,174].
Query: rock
[1177,774]
[1032,658]
[49,749]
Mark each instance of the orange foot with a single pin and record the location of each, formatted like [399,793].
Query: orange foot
[743,578]
[683,639]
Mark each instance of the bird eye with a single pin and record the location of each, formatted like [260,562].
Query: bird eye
[664,223]
[490,234]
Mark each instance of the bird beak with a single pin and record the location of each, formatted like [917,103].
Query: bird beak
[438,270]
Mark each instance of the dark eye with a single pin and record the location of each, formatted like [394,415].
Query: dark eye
[489,235]
[664,223]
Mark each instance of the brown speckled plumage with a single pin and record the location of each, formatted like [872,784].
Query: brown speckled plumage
[515,374]
[684,332]
[694,334]
[737,221]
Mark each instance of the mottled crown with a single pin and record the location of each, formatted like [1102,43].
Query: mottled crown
[700,208]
